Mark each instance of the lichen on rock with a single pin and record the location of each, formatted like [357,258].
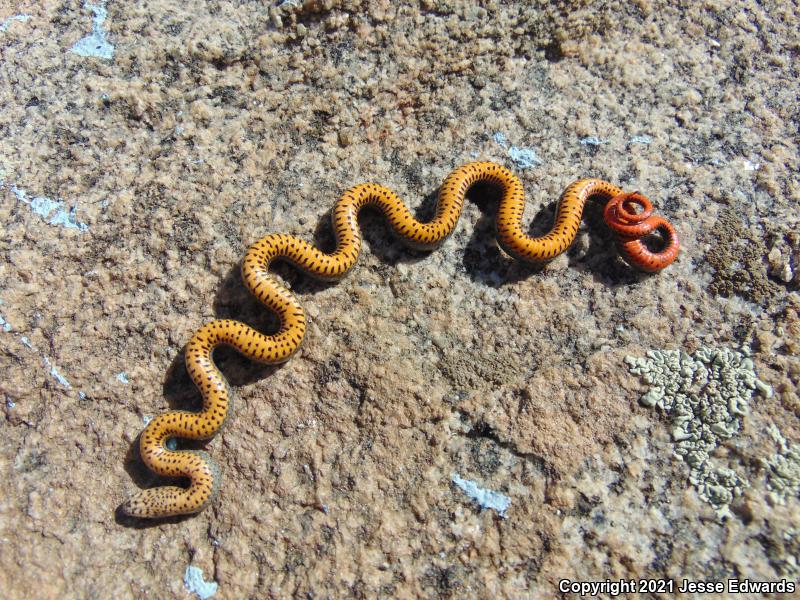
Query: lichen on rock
[737,257]
[706,395]
[783,469]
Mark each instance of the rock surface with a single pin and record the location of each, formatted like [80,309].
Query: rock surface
[143,149]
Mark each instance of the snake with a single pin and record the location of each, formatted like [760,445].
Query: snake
[196,465]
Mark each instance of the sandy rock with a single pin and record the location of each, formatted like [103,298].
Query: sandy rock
[135,173]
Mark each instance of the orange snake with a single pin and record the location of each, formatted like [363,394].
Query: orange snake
[196,465]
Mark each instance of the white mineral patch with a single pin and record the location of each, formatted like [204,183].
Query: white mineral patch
[523,158]
[56,373]
[56,212]
[95,44]
[592,140]
[194,582]
[642,139]
[483,497]
[7,23]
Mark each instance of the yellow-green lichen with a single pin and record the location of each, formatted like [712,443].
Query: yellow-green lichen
[706,395]
[783,469]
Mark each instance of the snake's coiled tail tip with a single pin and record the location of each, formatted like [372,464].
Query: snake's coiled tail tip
[632,227]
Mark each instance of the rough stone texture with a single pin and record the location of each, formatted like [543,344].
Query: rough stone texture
[217,122]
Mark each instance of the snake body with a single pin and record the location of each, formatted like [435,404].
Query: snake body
[196,465]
